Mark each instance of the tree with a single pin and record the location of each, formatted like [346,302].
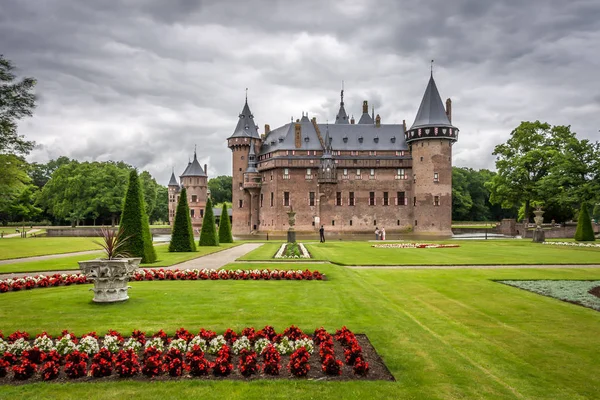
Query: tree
[134,222]
[16,101]
[208,235]
[220,188]
[41,173]
[225,227]
[150,188]
[182,236]
[596,213]
[585,232]
[161,209]
[13,180]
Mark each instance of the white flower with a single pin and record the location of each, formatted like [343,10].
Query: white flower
[19,346]
[179,344]
[133,344]
[111,343]
[260,345]
[286,346]
[155,342]
[65,345]
[241,343]
[197,341]
[3,346]
[89,345]
[215,345]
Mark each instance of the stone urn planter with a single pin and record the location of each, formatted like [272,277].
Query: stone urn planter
[110,277]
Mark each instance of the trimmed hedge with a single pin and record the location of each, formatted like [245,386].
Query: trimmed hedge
[182,236]
[225,227]
[208,235]
[585,232]
[134,222]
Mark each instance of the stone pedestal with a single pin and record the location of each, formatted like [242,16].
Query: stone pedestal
[110,277]
[291,236]
[539,236]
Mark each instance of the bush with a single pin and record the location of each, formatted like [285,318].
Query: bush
[134,222]
[76,364]
[152,362]
[102,363]
[50,370]
[173,362]
[271,359]
[198,365]
[225,227]
[247,363]
[24,370]
[222,365]
[331,366]
[182,236]
[584,232]
[127,364]
[298,364]
[208,235]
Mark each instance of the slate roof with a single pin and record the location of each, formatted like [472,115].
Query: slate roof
[432,111]
[246,126]
[366,119]
[194,168]
[173,180]
[252,159]
[342,117]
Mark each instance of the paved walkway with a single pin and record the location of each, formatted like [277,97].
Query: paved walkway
[14,235]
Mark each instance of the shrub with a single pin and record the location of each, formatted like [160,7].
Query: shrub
[173,362]
[208,235]
[24,370]
[331,366]
[271,358]
[54,356]
[76,364]
[222,365]
[198,365]
[182,236]
[102,363]
[50,370]
[585,232]
[134,222]
[353,353]
[247,364]
[361,367]
[34,355]
[298,364]
[225,235]
[127,364]
[152,364]
[3,368]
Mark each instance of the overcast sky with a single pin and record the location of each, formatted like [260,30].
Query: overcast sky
[145,80]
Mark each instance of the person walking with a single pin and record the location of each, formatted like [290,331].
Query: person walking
[322,234]
[376,233]
[382,233]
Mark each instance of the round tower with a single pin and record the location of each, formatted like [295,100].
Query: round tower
[246,179]
[173,189]
[430,140]
[194,180]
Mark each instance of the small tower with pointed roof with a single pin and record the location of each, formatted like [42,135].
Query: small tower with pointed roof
[174,190]
[430,140]
[245,176]
[341,117]
[195,180]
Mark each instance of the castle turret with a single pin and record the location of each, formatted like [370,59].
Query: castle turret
[194,179]
[173,188]
[430,140]
[341,117]
[246,179]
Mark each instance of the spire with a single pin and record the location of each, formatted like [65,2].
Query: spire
[173,180]
[431,111]
[194,168]
[341,117]
[251,159]
[327,141]
[246,126]
[365,118]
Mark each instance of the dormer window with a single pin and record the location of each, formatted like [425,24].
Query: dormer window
[345,139]
[360,139]
[393,139]
[246,127]
[280,139]
[251,116]
[376,139]
[272,142]
[306,139]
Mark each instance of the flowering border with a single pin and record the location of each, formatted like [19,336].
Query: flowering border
[182,355]
[279,254]
[574,244]
[413,246]
[42,281]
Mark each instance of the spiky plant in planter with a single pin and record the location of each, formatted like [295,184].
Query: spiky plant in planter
[114,243]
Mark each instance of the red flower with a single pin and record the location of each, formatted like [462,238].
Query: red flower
[198,365]
[247,364]
[139,336]
[116,334]
[102,363]
[162,334]
[230,335]
[34,355]
[3,368]
[91,334]
[294,333]
[173,362]
[271,358]
[24,370]
[127,364]
[76,364]
[50,370]
[361,367]
[18,335]
[152,365]
[207,335]
[299,364]
[331,366]
[184,334]
[9,358]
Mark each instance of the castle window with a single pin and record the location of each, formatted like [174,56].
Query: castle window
[398,222]
[436,177]
[311,199]
[272,197]
[242,157]
[201,213]
[271,175]
[421,158]
[262,198]
[333,222]
[371,198]
[436,200]
[401,199]
[308,173]
[386,199]
[350,222]
[414,178]
[357,171]
[393,139]
[400,174]
[374,222]
[345,139]
[241,185]
[414,202]
[240,170]
[338,198]
[360,139]
[286,173]
[194,198]
[286,199]
[372,171]
[241,203]
[192,212]
[351,200]
[346,171]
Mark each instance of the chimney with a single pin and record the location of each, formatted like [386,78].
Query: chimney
[404,124]
[352,120]
[267,129]
[449,109]
[378,121]
[365,107]
[205,170]
[263,136]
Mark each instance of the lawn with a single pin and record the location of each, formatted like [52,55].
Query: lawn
[444,334]
[267,251]
[18,248]
[470,252]
[165,259]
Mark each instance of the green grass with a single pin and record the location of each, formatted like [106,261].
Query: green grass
[267,251]
[470,252]
[19,248]
[165,259]
[444,334]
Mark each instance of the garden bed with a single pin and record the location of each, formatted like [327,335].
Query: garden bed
[292,251]
[249,355]
[583,293]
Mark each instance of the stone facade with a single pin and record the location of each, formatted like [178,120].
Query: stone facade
[350,178]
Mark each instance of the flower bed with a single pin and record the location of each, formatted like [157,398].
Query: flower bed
[574,244]
[236,355]
[291,251]
[413,246]
[577,292]
[42,281]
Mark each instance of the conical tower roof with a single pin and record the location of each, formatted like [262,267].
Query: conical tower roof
[431,112]
[251,159]
[246,126]
[342,117]
[173,180]
[194,168]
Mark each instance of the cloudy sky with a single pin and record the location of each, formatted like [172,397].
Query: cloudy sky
[145,80]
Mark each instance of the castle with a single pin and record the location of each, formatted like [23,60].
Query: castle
[349,177]
[194,178]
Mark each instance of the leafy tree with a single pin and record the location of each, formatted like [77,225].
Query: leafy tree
[161,209]
[208,235]
[16,101]
[596,212]
[182,236]
[150,188]
[13,180]
[220,188]
[585,232]
[225,227]
[24,207]
[134,222]
[41,173]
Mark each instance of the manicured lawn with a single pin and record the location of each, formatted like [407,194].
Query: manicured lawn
[165,259]
[267,251]
[470,252]
[444,334]
[18,248]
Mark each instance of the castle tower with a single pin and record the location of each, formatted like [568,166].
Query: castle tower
[194,180]
[173,189]
[246,179]
[430,140]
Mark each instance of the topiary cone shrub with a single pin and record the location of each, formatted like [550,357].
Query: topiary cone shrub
[225,227]
[585,232]
[208,235]
[134,222]
[182,236]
